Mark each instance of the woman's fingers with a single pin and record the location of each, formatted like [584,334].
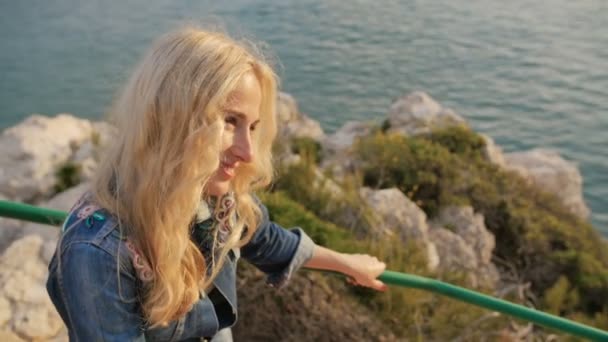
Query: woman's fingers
[375,284]
[380,286]
[367,269]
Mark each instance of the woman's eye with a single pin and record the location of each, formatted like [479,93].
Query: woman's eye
[253,127]
[231,120]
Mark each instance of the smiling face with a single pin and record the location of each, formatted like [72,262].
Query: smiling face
[241,116]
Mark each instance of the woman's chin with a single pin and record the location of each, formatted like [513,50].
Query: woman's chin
[218,188]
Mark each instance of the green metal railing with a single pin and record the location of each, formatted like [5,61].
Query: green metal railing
[31,213]
[54,217]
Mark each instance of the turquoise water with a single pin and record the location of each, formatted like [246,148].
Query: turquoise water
[529,73]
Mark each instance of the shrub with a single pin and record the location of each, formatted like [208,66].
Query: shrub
[307,147]
[287,212]
[560,295]
[304,183]
[67,176]
[420,168]
[408,312]
[560,255]
[535,233]
[459,140]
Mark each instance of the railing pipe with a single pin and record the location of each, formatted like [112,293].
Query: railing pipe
[496,304]
[55,217]
[28,212]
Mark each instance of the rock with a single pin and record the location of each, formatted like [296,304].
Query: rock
[88,167]
[337,148]
[492,152]
[291,159]
[61,337]
[456,255]
[20,262]
[343,139]
[21,286]
[323,183]
[488,275]
[66,199]
[102,134]
[62,201]
[10,230]
[85,159]
[89,153]
[23,294]
[287,108]
[32,151]
[294,124]
[417,113]
[9,336]
[37,321]
[398,215]
[552,173]
[465,244]
[471,227]
[5,311]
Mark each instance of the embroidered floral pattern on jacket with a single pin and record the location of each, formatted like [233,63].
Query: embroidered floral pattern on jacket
[87,210]
[213,232]
[142,267]
[224,218]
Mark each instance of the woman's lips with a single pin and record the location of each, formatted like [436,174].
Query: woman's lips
[227,169]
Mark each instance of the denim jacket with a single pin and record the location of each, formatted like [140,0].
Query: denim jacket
[98,300]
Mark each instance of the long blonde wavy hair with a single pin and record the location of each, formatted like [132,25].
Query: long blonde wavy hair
[153,175]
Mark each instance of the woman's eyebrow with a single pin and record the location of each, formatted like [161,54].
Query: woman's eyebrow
[241,115]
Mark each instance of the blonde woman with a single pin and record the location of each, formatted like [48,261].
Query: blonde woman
[150,252]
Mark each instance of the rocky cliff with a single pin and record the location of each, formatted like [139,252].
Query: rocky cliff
[48,161]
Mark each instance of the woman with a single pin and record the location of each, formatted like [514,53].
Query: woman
[150,252]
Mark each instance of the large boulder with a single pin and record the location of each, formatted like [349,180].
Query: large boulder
[552,173]
[293,123]
[457,256]
[62,201]
[454,252]
[343,139]
[26,311]
[465,244]
[88,155]
[10,230]
[398,216]
[338,147]
[32,151]
[471,227]
[417,113]
[492,152]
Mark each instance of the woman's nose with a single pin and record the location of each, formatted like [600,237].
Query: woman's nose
[243,146]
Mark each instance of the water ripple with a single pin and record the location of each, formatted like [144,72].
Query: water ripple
[530,74]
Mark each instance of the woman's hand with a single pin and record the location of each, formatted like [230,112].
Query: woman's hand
[361,269]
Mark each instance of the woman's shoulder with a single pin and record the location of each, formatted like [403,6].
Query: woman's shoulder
[89,225]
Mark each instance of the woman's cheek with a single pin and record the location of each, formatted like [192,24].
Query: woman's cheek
[227,140]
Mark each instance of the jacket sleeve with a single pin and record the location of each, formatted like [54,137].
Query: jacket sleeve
[276,251]
[90,284]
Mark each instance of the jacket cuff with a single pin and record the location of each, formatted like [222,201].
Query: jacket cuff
[303,253]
